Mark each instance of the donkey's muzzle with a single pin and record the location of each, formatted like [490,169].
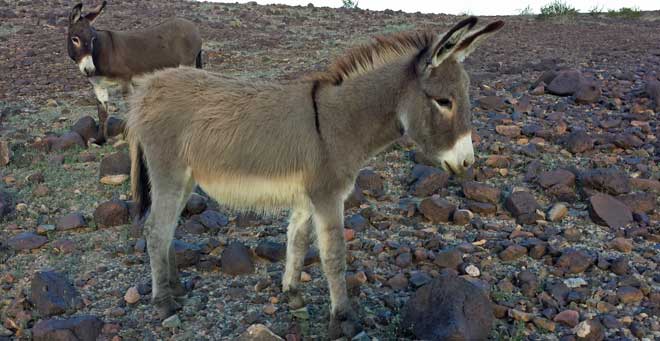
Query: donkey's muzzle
[459,158]
[86,66]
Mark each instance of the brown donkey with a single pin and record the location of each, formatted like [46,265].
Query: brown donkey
[299,145]
[107,58]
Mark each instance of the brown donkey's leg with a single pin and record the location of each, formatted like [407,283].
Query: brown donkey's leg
[102,98]
[169,186]
[329,224]
[298,233]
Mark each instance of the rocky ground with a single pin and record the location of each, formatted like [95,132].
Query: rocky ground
[557,224]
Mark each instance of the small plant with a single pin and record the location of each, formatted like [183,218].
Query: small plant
[350,4]
[625,12]
[559,9]
[527,11]
[596,10]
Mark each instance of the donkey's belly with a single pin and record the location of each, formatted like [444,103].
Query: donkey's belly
[256,193]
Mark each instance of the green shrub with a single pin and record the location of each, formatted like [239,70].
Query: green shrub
[557,8]
[625,12]
[527,11]
[350,4]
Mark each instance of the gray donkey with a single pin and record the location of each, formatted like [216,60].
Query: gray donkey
[297,145]
[107,58]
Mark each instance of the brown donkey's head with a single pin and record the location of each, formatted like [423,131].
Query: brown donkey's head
[435,110]
[81,37]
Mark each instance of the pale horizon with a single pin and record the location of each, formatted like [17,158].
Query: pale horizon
[475,7]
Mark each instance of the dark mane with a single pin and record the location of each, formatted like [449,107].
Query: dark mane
[382,50]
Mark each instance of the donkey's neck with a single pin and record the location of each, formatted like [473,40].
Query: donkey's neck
[359,118]
[102,53]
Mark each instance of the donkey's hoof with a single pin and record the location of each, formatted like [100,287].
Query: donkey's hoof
[343,325]
[166,307]
[295,299]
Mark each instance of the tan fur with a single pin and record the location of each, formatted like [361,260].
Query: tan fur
[268,146]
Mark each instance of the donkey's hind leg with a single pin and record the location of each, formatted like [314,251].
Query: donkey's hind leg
[298,235]
[168,194]
[178,289]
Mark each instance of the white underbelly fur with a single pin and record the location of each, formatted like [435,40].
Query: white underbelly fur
[256,193]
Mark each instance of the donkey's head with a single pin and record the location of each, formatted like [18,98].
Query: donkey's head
[435,110]
[82,36]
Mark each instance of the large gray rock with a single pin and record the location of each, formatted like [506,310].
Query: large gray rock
[605,210]
[52,294]
[79,328]
[449,308]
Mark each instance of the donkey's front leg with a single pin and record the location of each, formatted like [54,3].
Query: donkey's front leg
[329,224]
[296,246]
[102,99]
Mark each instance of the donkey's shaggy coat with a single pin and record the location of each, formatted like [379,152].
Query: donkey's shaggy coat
[298,145]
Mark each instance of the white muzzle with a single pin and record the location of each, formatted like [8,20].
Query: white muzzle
[86,66]
[460,157]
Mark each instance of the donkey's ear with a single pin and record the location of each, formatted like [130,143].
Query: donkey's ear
[93,14]
[444,45]
[469,44]
[75,14]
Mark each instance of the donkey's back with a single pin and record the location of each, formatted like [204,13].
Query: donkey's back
[249,144]
[171,43]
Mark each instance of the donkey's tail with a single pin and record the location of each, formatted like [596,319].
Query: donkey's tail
[140,186]
[198,60]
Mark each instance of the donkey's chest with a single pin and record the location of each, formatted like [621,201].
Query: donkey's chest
[254,192]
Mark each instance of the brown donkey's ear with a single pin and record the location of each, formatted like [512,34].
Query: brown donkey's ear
[75,14]
[444,45]
[469,44]
[93,14]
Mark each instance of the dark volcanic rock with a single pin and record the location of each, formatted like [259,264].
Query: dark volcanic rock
[556,177]
[639,202]
[574,261]
[52,294]
[272,251]
[71,221]
[587,92]
[520,203]
[449,258]
[371,182]
[114,126]
[186,254]
[26,241]
[213,219]
[196,204]
[449,308]
[579,142]
[608,180]
[607,211]
[437,209]
[79,328]
[237,260]
[115,164]
[86,128]
[566,83]
[427,180]
[67,141]
[111,213]
[492,103]
[481,207]
[481,192]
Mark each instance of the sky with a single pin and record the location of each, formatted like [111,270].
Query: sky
[476,7]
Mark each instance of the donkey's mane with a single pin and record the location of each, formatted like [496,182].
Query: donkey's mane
[370,56]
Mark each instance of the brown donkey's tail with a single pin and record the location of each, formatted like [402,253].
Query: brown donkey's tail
[198,60]
[140,186]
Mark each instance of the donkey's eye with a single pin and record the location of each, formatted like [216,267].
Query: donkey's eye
[75,41]
[443,102]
